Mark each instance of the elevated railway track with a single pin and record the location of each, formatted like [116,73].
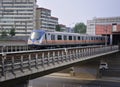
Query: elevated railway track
[22,63]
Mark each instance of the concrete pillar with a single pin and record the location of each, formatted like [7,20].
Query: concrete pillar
[85,71]
[72,72]
[23,84]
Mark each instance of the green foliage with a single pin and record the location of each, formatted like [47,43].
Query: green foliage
[3,33]
[58,28]
[12,32]
[80,28]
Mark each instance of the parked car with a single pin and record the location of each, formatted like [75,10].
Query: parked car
[103,65]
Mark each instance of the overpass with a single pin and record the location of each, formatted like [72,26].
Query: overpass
[21,66]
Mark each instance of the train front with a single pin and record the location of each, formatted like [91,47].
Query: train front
[36,38]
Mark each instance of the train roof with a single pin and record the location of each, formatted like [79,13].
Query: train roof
[38,30]
[66,33]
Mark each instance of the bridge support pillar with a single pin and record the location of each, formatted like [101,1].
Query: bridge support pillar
[85,71]
[23,84]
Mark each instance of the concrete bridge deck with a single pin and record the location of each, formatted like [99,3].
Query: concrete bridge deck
[15,65]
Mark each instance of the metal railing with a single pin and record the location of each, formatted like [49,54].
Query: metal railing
[17,64]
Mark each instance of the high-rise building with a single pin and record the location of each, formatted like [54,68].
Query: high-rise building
[53,22]
[44,20]
[17,14]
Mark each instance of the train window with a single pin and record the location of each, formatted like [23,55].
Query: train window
[91,38]
[82,37]
[70,37]
[59,37]
[65,37]
[99,38]
[102,38]
[85,38]
[74,37]
[52,37]
[96,38]
[78,37]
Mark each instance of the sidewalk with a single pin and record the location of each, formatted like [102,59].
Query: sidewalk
[68,76]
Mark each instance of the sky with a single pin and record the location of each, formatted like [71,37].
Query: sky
[71,12]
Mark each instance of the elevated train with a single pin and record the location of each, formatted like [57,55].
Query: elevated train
[44,39]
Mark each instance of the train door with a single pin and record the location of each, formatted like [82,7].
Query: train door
[53,39]
[65,39]
[45,38]
[74,39]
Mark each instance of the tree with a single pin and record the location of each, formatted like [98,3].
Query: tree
[12,32]
[3,33]
[80,28]
[58,28]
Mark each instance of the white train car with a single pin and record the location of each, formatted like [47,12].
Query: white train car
[41,38]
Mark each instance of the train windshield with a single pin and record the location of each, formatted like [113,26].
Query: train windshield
[35,35]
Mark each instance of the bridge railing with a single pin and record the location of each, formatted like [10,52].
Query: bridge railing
[17,64]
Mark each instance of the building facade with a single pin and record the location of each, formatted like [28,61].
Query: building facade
[99,26]
[62,27]
[17,14]
[69,30]
[108,26]
[44,20]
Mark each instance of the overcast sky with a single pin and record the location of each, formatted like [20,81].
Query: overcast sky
[70,12]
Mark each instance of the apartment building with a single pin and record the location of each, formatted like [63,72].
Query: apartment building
[53,22]
[17,14]
[63,27]
[109,26]
[44,20]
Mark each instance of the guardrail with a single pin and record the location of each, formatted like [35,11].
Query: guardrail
[18,64]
